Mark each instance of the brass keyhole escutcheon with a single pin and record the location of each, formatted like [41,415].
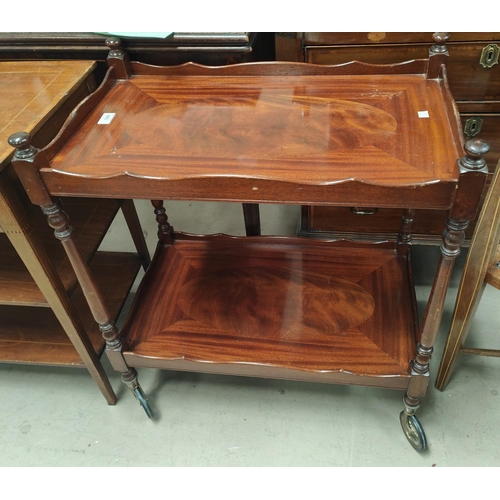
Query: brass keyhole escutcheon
[489,55]
[473,126]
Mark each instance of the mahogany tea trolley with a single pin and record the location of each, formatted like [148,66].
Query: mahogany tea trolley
[269,306]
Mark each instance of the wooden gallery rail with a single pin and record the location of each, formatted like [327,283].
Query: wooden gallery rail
[348,135]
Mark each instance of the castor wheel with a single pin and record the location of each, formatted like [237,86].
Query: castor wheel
[413,431]
[143,401]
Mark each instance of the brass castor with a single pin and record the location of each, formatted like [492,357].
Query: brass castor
[143,401]
[413,431]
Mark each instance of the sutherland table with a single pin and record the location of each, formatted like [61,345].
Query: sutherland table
[323,311]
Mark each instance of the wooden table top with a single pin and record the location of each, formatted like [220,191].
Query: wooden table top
[31,92]
[260,134]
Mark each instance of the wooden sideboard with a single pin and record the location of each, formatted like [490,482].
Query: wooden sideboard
[474,78]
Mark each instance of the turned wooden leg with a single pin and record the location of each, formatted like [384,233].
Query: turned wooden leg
[134,226]
[165,230]
[131,381]
[59,221]
[453,236]
[473,172]
[27,162]
[405,230]
[481,256]
[450,249]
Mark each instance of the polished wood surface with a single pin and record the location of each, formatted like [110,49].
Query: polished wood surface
[34,336]
[483,254]
[330,311]
[275,302]
[44,86]
[468,80]
[378,225]
[494,353]
[493,275]
[475,88]
[260,134]
[38,97]
[90,219]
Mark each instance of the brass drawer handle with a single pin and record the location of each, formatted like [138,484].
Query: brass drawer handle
[363,211]
[489,55]
[473,126]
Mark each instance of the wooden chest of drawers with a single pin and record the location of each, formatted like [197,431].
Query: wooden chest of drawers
[474,77]
[206,48]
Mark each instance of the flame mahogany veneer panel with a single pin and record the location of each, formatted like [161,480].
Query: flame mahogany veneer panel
[300,137]
[276,302]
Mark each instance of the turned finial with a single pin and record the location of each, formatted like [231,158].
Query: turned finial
[438,55]
[115,46]
[475,149]
[440,40]
[22,142]
[118,58]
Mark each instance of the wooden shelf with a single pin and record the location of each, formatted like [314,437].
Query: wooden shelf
[277,307]
[90,219]
[267,139]
[34,335]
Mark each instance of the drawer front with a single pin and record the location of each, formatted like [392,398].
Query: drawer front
[384,224]
[351,38]
[469,81]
